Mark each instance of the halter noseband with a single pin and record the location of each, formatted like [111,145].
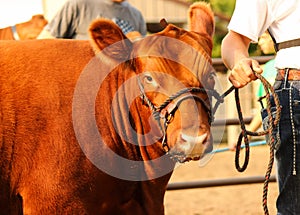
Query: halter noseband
[167,109]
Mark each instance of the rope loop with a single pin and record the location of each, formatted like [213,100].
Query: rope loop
[272,123]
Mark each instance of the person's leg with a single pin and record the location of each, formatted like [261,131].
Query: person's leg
[288,153]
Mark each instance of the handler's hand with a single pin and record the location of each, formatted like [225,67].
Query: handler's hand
[242,72]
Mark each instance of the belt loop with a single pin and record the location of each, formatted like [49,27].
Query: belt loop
[286,75]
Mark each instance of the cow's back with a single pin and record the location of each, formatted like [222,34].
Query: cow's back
[40,73]
[37,81]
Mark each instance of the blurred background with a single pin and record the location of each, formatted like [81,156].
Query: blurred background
[174,11]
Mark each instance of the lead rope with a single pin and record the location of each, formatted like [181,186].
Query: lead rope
[272,123]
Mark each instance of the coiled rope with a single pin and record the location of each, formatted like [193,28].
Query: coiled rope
[272,123]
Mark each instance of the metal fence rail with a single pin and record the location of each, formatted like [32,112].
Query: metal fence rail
[224,181]
[218,182]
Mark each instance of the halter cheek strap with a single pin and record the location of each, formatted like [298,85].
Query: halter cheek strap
[166,110]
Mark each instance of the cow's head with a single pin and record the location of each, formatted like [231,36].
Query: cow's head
[32,28]
[173,73]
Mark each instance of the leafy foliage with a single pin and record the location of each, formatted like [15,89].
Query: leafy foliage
[223,11]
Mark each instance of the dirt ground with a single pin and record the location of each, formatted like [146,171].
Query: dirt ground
[224,200]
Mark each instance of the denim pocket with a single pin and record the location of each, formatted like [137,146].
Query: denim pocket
[266,123]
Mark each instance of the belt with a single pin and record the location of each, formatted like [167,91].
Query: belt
[293,74]
[288,44]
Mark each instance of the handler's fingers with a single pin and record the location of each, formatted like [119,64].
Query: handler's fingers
[243,72]
[248,74]
[239,75]
[256,67]
[250,70]
[236,79]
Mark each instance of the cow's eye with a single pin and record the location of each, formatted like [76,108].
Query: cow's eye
[148,79]
[149,82]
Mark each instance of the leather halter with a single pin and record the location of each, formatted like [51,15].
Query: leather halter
[15,33]
[167,109]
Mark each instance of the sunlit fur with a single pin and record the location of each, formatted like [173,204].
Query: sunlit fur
[43,169]
[197,20]
[25,30]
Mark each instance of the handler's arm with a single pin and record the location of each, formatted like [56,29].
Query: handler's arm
[236,58]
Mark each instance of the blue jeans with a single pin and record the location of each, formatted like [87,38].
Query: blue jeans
[288,149]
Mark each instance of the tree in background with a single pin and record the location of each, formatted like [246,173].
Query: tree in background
[223,11]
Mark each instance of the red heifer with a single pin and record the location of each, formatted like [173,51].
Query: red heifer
[24,31]
[86,133]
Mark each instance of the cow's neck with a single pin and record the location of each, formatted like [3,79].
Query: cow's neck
[6,34]
[127,124]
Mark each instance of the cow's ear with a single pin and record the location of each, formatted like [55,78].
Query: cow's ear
[107,36]
[201,18]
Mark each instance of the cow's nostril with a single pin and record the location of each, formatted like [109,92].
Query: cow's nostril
[193,139]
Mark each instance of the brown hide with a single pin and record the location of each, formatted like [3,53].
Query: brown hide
[57,99]
[26,30]
[197,20]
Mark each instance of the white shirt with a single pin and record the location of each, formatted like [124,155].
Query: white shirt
[252,18]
